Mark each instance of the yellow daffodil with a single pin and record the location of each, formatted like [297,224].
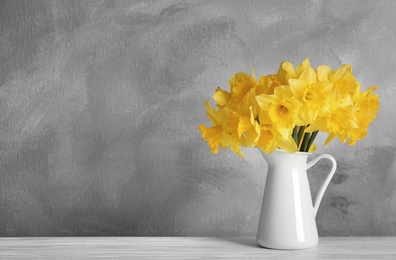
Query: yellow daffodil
[366,108]
[323,73]
[213,135]
[337,119]
[267,85]
[343,80]
[240,84]
[221,97]
[242,120]
[313,98]
[281,111]
[367,103]
[287,110]
[282,107]
[270,139]
[285,72]
[306,64]
[218,135]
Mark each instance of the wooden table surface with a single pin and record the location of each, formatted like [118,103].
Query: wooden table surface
[189,248]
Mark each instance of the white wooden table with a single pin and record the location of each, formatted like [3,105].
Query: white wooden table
[190,248]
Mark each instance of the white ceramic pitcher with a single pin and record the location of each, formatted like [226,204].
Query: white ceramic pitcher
[287,219]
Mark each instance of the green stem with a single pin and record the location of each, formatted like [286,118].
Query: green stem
[305,142]
[300,133]
[311,139]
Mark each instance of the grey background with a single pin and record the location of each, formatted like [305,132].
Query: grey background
[100,103]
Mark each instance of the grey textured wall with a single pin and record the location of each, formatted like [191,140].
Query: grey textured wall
[100,103]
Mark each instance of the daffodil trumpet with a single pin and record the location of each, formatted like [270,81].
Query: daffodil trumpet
[288,109]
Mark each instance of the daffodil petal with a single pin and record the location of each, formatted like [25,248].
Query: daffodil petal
[286,71]
[323,73]
[221,97]
[287,146]
[298,87]
[309,76]
[265,100]
[213,135]
[329,139]
[303,66]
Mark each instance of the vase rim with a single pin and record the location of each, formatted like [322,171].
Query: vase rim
[296,153]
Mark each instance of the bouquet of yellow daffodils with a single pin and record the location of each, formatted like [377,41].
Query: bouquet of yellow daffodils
[287,110]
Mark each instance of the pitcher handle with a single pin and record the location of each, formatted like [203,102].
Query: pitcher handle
[326,182]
